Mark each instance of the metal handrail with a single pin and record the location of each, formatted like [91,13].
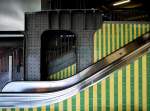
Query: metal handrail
[30,93]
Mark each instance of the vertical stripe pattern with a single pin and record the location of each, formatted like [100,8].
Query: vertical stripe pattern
[65,73]
[126,89]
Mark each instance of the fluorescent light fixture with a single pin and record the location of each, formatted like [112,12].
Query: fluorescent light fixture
[11,35]
[121,2]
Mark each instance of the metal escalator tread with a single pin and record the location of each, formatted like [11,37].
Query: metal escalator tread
[37,92]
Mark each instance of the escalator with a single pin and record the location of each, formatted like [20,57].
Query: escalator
[28,94]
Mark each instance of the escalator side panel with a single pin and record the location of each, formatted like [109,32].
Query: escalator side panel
[123,89]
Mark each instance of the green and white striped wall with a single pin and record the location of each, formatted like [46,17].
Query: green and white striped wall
[126,89]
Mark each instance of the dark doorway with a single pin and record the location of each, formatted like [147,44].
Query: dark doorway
[58,50]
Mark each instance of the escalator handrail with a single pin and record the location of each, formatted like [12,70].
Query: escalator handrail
[101,70]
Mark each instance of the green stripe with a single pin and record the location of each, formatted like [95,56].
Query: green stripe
[63,74]
[148,27]
[56,107]
[137,30]
[107,94]
[91,98]
[38,109]
[132,37]
[99,96]
[110,38]
[13,109]
[67,75]
[30,109]
[132,84]
[3,109]
[58,74]
[124,36]
[148,81]
[54,77]
[140,82]
[47,108]
[65,105]
[74,69]
[106,28]
[82,101]
[124,88]
[140,29]
[128,32]
[115,90]
[71,73]
[74,103]
[21,109]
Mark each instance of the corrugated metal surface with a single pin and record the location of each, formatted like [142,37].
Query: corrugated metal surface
[126,88]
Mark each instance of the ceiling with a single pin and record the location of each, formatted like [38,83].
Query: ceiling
[87,4]
[12,11]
